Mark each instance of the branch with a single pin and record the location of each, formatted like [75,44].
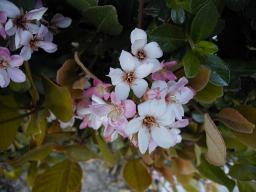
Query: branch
[87,71]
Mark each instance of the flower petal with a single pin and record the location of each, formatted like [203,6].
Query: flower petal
[143,140]
[122,91]
[26,53]
[180,123]
[138,34]
[16,60]
[4,53]
[116,75]
[47,46]
[60,21]
[25,37]
[144,108]
[127,61]
[184,95]
[176,109]
[153,50]
[133,126]
[143,70]
[4,78]
[36,14]
[10,28]
[129,108]
[3,17]
[156,64]
[138,45]
[162,137]
[9,8]
[139,87]
[16,75]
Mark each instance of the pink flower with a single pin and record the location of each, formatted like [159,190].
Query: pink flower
[175,95]
[20,21]
[3,19]
[9,68]
[99,89]
[165,73]
[34,42]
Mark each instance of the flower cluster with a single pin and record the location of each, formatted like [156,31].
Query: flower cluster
[26,31]
[151,114]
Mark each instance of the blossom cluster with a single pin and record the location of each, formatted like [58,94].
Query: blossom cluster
[25,32]
[144,101]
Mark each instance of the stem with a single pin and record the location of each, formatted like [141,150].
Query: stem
[191,43]
[21,116]
[87,71]
[140,13]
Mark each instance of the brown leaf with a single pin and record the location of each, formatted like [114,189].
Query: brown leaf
[201,80]
[235,120]
[216,153]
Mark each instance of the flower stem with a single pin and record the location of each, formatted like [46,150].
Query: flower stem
[85,69]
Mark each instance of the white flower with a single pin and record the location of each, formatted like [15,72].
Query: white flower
[175,94]
[131,77]
[145,52]
[153,123]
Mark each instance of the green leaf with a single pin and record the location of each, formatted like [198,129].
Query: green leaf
[9,123]
[35,154]
[216,148]
[246,186]
[79,153]
[191,64]
[235,121]
[195,5]
[107,154]
[215,174]
[104,18]
[209,94]
[136,175]
[206,47]
[82,5]
[220,75]
[243,172]
[63,177]
[204,21]
[168,36]
[58,100]
[178,4]
[37,124]
[178,16]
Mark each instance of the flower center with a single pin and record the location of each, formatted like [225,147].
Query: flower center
[115,114]
[20,22]
[129,77]
[33,43]
[141,55]
[3,64]
[149,121]
[170,98]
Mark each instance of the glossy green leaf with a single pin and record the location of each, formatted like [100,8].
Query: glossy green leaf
[191,64]
[82,5]
[168,36]
[206,47]
[178,4]
[209,94]
[35,154]
[216,148]
[9,123]
[103,17]
[58,100]
[235,121]
[63,177]
[136,175]
[178,16]
[243,172]
[220,75]
[79,153]
[204,21]
[195,5]
[215,174]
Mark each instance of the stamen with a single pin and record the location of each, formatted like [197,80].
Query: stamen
[141,55]
[149,121]
[129,77]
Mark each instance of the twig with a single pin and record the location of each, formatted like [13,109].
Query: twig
[87,71]
[140,13]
